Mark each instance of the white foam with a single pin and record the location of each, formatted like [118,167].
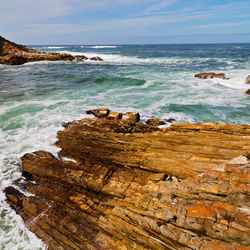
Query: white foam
[236,79]
[120,59]
[103,47]
[99,46]
[55,47]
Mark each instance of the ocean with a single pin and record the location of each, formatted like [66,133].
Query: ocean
[155,80]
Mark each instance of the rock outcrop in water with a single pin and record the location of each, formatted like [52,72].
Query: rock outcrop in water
[211,75]
[120,184]
[16,54]
[247,81]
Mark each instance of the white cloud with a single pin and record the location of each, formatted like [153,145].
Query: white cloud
[216,25]
[159,6]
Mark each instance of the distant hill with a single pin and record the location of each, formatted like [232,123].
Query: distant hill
[7,47]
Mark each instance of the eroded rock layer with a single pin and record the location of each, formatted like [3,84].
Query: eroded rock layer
[120,184]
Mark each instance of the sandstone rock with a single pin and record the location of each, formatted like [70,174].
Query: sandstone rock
[247,81]
[247,92]
[96,58]
[131,116]
[135,186]
[211,75]
[155,122]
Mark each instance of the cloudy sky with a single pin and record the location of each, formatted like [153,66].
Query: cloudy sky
[125,21]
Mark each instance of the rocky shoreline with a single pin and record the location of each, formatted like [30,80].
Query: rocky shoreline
[118,183]
[16,54]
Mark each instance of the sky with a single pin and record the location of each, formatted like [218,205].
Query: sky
[40,22]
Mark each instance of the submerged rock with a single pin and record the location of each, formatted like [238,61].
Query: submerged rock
[211,75]
[134,186]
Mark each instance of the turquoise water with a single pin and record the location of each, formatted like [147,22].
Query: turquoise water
[156,80]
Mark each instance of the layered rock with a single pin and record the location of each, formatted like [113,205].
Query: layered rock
[120,184]
[16,54]
[211,75]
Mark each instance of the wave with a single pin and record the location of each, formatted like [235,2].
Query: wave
[55,47]
[99,46]
[171,61]
[103,47]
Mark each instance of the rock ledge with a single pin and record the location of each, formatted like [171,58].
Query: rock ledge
[121,184]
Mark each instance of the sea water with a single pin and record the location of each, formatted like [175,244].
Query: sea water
[155,80]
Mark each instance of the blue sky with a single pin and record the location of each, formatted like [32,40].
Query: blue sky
[125,21]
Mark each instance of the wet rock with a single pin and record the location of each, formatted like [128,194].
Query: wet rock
[247,81]
[247,92]
[155,122]
[170,120]
[99,113]
[211,75]
[80,58]
[96,58]
[131,116]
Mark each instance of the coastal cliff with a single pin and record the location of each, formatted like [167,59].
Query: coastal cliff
[121,184]
[16,54]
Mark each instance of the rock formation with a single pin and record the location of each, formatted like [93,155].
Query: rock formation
[16,54]
[155,122]
[120,184]
[211,75]
[247,92]
[247,81]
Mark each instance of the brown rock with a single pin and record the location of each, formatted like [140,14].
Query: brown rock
[211,75]
[114,115]
[155,122]
[15,54]
[247,92]
[170,120]
[247,81]
[96,58]
[99,113]
[80,58]
[7,47]
[131,116]
[134,186]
